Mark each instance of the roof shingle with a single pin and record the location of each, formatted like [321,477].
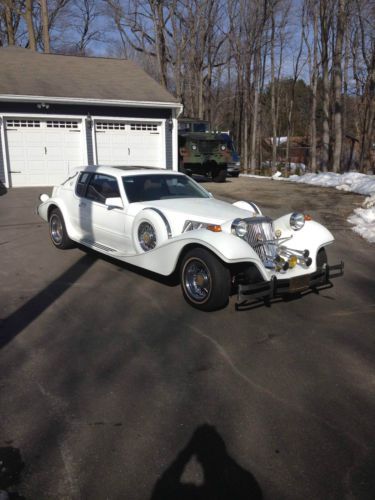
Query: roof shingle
[28,73]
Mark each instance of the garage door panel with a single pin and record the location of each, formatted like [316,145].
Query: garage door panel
[41,152]
[129,143]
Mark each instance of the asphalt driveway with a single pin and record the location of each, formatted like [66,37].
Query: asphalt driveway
[111,386]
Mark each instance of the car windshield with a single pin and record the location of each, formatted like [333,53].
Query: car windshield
[150,187]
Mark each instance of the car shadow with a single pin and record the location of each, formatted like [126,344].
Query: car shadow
[221,479]
[171,280]
[16,322]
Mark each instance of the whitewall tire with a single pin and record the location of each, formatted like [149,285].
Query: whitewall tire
[150,230]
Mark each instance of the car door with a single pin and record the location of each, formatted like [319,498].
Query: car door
[103,225]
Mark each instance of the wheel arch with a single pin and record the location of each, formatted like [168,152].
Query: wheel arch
[68,225]
[234,267]
[51,207]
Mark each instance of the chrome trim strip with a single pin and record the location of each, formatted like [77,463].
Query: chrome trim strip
[165,220]
[255,207]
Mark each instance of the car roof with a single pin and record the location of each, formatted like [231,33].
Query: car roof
[124,170]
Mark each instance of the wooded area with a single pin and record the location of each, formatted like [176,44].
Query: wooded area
[303,70]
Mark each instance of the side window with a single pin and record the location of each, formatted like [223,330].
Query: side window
[101,187]
[81,183]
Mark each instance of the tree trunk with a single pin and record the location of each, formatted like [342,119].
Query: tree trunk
[325,31]
[9,24]
[338,87]
[160,43]
[30,24]
[345,97]
[314,88]
[273,103]
[45,25]
[254,130]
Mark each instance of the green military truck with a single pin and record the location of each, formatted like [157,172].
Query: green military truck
[202,152]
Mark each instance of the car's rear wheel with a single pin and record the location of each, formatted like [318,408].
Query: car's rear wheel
[205,281]
[57,230]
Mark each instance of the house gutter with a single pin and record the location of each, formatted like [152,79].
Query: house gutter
[98,102]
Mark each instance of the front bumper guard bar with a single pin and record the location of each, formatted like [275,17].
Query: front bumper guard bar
[267,290]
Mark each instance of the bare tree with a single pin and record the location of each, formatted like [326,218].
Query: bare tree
[325,13]
[45,25]
[337,70]
[314,88]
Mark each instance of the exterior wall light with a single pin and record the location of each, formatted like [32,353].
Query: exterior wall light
[42,105]
[170,124]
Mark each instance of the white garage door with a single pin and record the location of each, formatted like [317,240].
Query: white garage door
[42,152]
[129,143]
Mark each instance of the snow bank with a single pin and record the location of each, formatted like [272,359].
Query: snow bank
[352,181]
[363,218]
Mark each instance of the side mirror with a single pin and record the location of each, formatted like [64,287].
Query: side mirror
[43,197]
[115,202]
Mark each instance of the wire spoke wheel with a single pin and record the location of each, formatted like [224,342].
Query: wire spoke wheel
[205,280]
[147,236]
[56,228]
[197,279]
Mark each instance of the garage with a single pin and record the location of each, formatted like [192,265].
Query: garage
[43,152]
[130,143]
[70,111]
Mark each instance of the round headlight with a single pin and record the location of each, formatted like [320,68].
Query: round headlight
[194,147]
[223,147]
[297,221]
[239,228]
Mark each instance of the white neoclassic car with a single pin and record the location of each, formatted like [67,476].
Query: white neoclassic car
[167,223]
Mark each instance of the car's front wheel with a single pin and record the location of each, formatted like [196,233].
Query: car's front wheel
[321,259]
[205,281]
[57,230]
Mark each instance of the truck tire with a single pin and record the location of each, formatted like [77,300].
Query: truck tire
[219,174]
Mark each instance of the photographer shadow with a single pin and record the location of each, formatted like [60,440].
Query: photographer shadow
[223,478]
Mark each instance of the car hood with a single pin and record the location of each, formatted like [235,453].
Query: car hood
[179,210]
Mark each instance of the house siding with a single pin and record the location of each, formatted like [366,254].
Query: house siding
[168,147]
[2,163]
[89,144]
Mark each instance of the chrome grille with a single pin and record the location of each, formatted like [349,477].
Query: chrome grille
[261,236]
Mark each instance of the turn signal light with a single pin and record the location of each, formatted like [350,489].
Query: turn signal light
[308,217]
[214,228]
[292,261]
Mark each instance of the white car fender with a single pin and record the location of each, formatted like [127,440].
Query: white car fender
[229,248]
[311,231]
[43,210]
[249,206]
[313,236]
